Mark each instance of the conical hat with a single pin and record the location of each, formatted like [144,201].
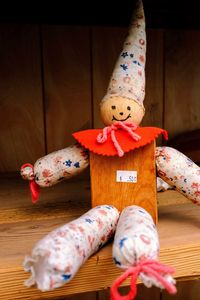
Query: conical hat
[128,78]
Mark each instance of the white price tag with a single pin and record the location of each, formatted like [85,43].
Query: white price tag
[126,176]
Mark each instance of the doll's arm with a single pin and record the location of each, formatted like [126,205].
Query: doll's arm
[55,167]
[179,171]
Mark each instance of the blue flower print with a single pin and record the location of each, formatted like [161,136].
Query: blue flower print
[68,163]
[77,165]
[121,242]
[124,54]
[66,277]
[124,67]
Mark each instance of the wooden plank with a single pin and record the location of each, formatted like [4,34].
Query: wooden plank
[143,293]
[178,230]
[154,79]
[171,197]
[21,106]
[83,296]
[61,200]
[183,254]
[182,80]
[107,45]
[103,172]
[66,56]
[189,144]
[16,203]
[186,290]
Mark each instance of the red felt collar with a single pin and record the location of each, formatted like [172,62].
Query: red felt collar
[88,139]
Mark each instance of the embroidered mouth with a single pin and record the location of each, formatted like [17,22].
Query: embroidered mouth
[115,119]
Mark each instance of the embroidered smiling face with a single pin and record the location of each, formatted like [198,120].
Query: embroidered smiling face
[121,109]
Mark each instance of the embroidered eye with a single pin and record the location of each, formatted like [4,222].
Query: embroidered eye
[128,107]
[113,107]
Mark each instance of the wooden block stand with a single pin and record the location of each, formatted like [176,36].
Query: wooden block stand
[106,190]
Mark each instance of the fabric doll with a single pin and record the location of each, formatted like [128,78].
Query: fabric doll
[122,111]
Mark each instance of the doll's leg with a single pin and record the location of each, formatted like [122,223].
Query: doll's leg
[58,256]
[136,250]
[55,167]
[179,171]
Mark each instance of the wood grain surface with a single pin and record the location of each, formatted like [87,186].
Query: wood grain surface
[20,229]
[186,290]
[21,106]
[143,293]
[182,80]
[53,78]
[153,101]
[105,188]
[67,83]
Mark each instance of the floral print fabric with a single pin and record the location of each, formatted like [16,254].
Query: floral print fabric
[136,239]
[57,257]
[60,165]
[179,171]
[128,78]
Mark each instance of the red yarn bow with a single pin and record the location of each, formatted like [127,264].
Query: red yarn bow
[126,126]
[151,268]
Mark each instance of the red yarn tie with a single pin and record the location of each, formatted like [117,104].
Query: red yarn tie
[126,126]
[35,190]
[151,268]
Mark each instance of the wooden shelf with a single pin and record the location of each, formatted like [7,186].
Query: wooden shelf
[22,225]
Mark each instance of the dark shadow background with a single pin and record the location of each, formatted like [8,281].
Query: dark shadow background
[159,13]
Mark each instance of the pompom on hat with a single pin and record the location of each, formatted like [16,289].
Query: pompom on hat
[128,78]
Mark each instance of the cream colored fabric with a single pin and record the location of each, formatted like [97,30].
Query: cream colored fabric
[57,257]
[60,165]
[136,239]
[128,78]
[162,185]
[179,171]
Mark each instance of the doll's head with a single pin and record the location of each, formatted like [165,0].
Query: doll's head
[121,109]
[125,94]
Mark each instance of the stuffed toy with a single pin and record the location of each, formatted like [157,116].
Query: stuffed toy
[136,242]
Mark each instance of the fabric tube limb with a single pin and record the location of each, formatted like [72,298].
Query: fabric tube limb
[136,250]
[58,256]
